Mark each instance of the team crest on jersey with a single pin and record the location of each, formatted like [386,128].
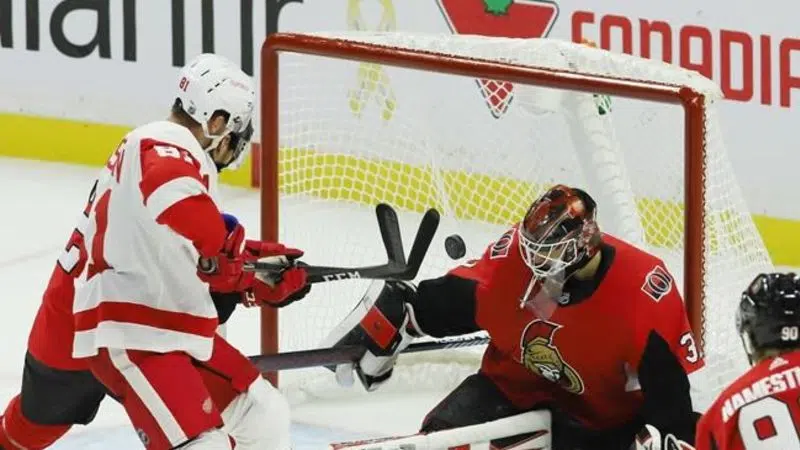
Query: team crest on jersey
[541,356]
[500,248]
[657,283]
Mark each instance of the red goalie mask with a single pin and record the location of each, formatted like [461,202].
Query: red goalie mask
[559,232]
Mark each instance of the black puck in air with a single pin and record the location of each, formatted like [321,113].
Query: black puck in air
[455,247]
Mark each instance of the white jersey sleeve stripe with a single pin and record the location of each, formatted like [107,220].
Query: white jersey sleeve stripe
[171,193]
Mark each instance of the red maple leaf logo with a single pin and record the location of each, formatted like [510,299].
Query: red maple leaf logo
[502,18]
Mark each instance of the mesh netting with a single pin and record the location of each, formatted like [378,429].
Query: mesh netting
[353,134]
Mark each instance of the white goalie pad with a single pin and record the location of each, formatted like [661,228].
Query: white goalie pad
[473,437]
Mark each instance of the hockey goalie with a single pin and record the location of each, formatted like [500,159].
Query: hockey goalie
[589,339]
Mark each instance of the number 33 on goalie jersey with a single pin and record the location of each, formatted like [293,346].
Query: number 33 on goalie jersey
[758,411]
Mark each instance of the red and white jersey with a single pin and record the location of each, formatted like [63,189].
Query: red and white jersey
[758,411]
[151,214]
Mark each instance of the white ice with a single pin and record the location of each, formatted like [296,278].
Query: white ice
[40,203]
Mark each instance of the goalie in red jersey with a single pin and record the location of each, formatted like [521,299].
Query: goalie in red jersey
[582,324]
[761,409]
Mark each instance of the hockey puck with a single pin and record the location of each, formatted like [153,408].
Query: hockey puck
[455,247]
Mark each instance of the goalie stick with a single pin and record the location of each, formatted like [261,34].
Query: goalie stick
[396,268]
[346,354]
[530,430]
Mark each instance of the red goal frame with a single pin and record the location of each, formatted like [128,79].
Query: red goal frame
[693,103]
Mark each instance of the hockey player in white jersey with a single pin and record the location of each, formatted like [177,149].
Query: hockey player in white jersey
[144,316]
[150,249]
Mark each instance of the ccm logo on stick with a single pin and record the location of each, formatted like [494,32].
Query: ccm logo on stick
[341,276]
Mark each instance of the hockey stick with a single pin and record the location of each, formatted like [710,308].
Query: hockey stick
[390,233]
[348,354]
[395,269]
[529,430]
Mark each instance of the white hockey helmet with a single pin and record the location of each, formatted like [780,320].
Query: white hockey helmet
[211,83]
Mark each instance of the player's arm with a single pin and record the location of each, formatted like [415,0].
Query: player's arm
[447,306]
[174,192]
[667,354]
[393,313]
[705,439]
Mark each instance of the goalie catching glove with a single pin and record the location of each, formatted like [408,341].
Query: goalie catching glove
[224,273]
[383,323]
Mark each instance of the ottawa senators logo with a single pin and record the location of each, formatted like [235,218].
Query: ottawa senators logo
[540,356]
[657,284]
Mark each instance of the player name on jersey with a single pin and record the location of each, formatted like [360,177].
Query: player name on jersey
[763,387]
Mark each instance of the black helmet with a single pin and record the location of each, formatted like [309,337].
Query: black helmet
[769,313]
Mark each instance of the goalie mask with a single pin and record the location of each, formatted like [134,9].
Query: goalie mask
[769,314]
[559,233]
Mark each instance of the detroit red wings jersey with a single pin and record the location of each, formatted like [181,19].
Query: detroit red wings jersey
[585,357]
[758,411]
[151,214]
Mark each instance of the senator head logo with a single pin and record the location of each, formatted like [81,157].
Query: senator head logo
[540,355]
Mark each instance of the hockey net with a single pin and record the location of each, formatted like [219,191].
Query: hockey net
[419,121]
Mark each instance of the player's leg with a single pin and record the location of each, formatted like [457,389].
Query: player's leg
[476,400]
[165,398]
[51,401]
[256,415]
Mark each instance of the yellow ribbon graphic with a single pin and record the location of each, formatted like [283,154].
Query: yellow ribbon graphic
[372,80]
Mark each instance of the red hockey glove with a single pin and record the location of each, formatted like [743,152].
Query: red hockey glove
[223,273]
[276,290]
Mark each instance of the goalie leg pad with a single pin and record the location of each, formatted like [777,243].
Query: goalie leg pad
[530,430]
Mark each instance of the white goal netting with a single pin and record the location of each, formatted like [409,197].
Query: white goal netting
[353,134]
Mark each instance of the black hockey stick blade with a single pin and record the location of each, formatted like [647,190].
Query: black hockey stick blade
[393,270]
[390,233]
[422,241]
[347,354]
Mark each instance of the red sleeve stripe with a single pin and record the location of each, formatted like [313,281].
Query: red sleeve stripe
[145,315]
[172,192]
